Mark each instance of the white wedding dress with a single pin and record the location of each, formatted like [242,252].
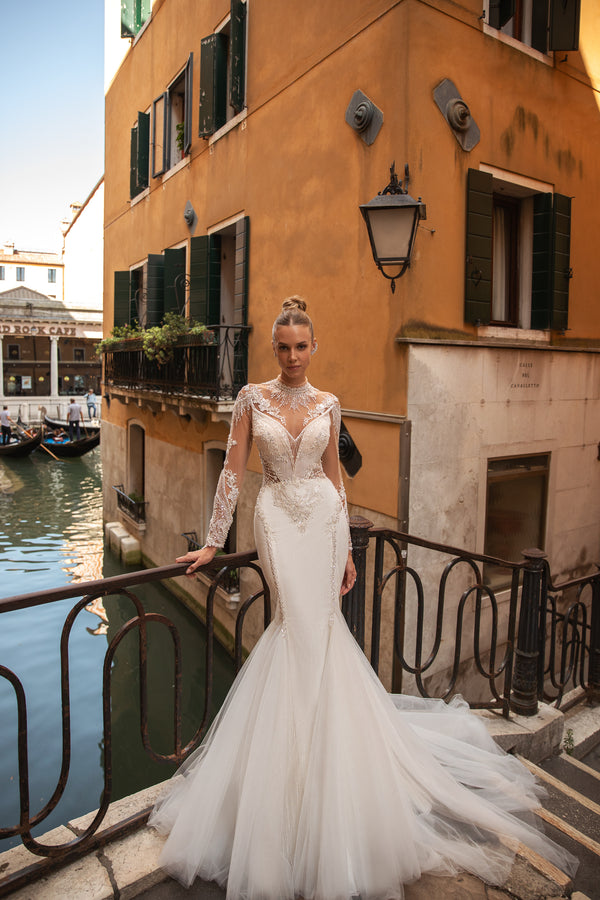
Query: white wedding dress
[312,782]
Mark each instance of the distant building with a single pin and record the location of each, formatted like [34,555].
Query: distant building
[41,272]
[49,330]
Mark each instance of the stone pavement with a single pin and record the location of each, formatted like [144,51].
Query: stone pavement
[128,867]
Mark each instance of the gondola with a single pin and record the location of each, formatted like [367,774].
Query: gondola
[67,449]
[22,446]
[57,424]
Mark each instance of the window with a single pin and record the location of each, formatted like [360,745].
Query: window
[145,293]
[20,273]
[134,14]
[51,276]
[136,461]
[219,293]
[223,72]
[14,351]
[172,122]
[139,155]
[543,25]
[2,275]
[78,354]
[517,253]
[515,519]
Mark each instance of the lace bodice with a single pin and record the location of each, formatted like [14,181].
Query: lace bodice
[296,431]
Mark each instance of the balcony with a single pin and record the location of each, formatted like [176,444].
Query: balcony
[132,506]
[209,367]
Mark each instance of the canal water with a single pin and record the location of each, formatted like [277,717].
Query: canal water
[51,534]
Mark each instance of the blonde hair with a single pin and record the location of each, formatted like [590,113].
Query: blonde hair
[293,312]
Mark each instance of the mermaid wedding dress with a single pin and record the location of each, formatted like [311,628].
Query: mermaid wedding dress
[312,781]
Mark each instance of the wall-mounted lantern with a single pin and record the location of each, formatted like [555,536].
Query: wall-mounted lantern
[392,219]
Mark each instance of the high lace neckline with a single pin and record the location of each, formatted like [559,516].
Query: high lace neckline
[291,388]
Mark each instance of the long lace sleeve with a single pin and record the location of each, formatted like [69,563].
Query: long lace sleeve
[230,479]
[331,461]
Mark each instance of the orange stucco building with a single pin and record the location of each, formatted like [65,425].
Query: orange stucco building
[234,176]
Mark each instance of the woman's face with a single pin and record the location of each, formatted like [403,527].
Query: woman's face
[293,346]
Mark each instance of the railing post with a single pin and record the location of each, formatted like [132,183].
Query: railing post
[594,664]
[524,699]
[353,603]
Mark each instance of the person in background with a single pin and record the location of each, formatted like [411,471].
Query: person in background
[74,416]
[6,422]
[91,403]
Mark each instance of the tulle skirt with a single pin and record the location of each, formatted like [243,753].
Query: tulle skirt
[313,781]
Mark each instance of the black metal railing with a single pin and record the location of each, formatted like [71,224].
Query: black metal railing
[94,836]
[131,506]
[212,365]
[230,581]
[544,639]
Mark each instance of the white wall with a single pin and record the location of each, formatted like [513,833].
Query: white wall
[36,277]
[83,255]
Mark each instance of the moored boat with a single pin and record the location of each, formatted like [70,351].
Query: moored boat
[56,424]
[66,449]
[21,446]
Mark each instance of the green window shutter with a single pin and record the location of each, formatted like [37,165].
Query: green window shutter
[564,24]
[139,156]
[541,280]
[187,120]
[213,83]
[142,11]
[478,272]
[237,97]
[205,279]
[121,299]
[143,150]
[551,261]
[174,292]
[133,155]
[240,288]
[159,135]
[133,15]
[500,11]
[128,18]
[240,284]
[155,305]
[561,271]
[539,26]
[199,278]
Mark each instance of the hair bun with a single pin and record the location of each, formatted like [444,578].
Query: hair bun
[293,302]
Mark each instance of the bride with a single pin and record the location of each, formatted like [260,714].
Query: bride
[312,782]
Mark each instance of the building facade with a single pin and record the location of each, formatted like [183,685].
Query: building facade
[242,138]
[49,330]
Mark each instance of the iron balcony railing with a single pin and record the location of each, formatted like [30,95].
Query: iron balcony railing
[135,509]
[212,365]
[549,641]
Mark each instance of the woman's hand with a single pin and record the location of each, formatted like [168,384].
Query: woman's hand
[349,575]
[197,558]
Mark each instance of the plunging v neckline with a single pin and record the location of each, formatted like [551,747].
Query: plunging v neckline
[296,439]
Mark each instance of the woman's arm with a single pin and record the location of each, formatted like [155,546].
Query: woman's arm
[228,487]
[331,466]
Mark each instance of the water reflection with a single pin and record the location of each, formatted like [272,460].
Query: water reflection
[51,534]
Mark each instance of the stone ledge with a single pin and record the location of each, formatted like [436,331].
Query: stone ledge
[535,737]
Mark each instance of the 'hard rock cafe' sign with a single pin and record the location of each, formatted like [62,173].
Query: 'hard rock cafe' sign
[31,329]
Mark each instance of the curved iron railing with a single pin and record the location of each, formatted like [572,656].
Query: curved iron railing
[548,640]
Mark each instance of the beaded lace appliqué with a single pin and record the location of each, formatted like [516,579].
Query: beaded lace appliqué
[290,463]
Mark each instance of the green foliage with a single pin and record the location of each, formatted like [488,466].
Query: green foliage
[179,137]
[569,742]
[158,342]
